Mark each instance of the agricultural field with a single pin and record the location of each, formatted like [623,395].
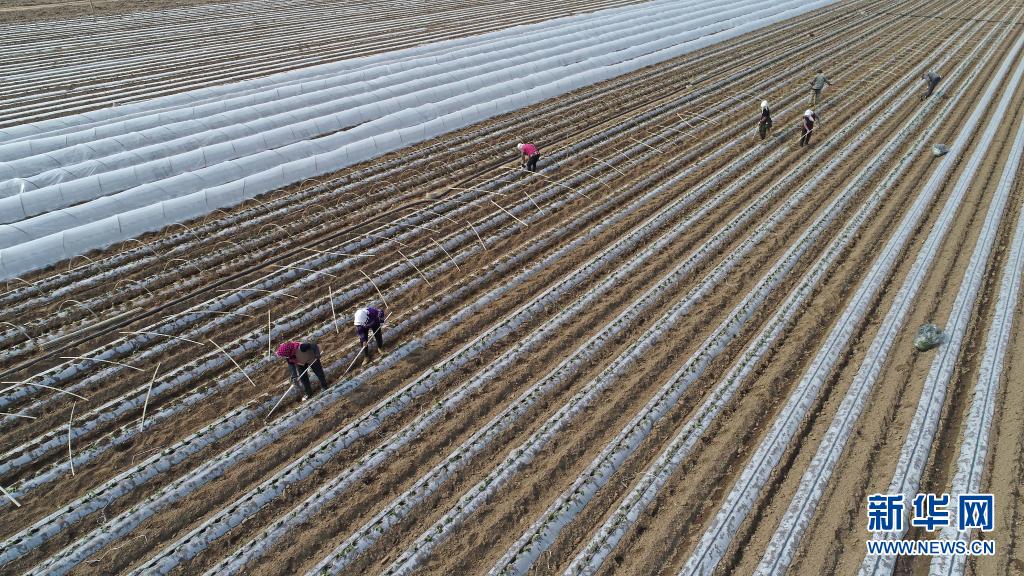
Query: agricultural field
[52,69]
[676,348]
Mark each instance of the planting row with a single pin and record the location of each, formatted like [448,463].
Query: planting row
[148,207]
[917,446]
[149,55]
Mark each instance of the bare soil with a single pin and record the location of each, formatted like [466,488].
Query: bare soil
[665,534]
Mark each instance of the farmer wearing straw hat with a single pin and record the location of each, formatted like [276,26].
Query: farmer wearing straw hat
[810,119]
[303,357]
[530,155]
[766,119]
[367,320]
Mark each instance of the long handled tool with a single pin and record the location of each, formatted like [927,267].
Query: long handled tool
[356,357]
[291,386]
[373,334]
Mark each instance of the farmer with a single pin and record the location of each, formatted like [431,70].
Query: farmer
[367,320]
[810,119]
[303,357]
[766,119]
[817,85]
[932,79]
[530,155]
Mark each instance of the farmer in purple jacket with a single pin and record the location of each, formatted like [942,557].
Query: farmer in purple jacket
[370,320]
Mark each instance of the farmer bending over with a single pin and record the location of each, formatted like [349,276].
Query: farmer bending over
[810,119]
[766,119]
[370,320]
[530,155]
[303,357]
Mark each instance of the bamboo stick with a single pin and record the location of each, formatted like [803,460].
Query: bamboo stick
[8,494]
[330,298]
[142,425]
[608,165]
[17,415]
[507,212]
[159,334]
[26,382]
[71,456]
[374,284]
[422,275]
[449,255]
[104,361]
[233,362]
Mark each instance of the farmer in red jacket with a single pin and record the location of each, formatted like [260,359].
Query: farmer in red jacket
[303,357]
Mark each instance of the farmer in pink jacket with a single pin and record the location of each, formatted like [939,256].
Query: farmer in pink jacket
[303,357]
[530,155]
